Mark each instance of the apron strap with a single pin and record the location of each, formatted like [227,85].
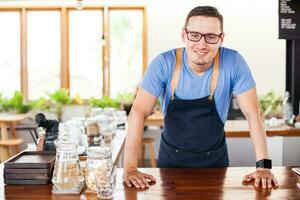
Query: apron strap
[214,76]
[176,73]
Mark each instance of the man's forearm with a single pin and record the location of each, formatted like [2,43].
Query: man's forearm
[133,139]
[258,136]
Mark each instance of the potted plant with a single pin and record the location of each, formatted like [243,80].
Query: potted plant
[76,108]
[41,104]
[104,102]
[15,104]
[271,105]
[126,100]
[58,99]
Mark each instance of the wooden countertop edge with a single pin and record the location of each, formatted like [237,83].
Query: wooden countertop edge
[290,132]
[273,133]
[121,149]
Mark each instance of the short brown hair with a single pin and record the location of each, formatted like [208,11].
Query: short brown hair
[207,11]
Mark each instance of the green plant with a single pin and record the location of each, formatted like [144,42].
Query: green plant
[60,96]
[3,103]
[104,102]
[271,104]
[58,99]
[15,104]
[41,103]
[126,98]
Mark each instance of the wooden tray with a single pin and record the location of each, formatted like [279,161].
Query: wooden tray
[31,160]
[27,171]
[27,176]
[26,182]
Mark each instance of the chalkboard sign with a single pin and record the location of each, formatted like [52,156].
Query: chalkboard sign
[289,19]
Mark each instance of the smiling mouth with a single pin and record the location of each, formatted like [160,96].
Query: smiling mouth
[201,53]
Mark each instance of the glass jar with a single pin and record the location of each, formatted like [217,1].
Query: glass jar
[120,118]
[93,131]
[109,111]
[92,127]
[103,120]
[107,135]
[67,174]
[96,111]
[105,184]
[98,160]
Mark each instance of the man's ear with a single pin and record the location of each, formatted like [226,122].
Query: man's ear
[222,39]
[182,35]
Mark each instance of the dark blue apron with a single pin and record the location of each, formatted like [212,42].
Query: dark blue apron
[193,134]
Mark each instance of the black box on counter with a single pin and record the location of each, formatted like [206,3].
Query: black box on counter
[29,168]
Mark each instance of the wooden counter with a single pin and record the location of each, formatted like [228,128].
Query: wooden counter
[218,183]
[237,128]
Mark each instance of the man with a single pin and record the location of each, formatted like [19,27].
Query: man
[195,85]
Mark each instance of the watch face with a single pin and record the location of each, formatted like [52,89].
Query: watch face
[264,163]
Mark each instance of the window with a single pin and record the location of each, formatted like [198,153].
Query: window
[43,52]
[86,53]
[94,52]
[126,50]
[9,53]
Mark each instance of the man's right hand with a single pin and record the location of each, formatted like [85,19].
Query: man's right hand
[137,179]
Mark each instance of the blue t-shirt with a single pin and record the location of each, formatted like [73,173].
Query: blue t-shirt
[234,78]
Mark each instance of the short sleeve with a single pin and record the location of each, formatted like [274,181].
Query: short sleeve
[243,79]
[154,80]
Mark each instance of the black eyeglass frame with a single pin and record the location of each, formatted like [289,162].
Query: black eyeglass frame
[203,35]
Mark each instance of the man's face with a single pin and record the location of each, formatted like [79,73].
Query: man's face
[201,54]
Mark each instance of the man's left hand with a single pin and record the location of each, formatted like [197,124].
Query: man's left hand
[262,175]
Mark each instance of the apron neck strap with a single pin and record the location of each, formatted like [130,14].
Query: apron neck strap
[214,76]
[176,73]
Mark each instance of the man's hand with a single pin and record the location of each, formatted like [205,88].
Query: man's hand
[264,176]
[137,179]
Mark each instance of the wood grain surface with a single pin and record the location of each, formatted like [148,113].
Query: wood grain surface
[213,183]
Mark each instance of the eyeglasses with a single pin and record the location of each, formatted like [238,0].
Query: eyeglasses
[209,38]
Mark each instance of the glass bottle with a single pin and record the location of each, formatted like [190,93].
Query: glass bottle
[98,160]
[67,173]
[287,107]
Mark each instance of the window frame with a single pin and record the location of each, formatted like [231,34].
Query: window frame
[64,43]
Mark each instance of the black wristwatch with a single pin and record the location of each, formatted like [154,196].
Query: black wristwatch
[264,163]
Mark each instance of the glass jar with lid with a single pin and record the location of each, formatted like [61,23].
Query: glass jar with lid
[98,159]
[107,133]
[120,118]
[93,131]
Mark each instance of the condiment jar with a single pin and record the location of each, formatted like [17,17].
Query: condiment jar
[98,159]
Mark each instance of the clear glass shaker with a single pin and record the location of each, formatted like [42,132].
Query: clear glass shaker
[105,183]
[93,131]
[98,160]
[67,173]
[107,133]
[96,111]
[120,118]
[287,108]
